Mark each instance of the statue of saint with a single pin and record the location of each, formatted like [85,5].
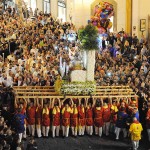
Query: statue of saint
[77,63]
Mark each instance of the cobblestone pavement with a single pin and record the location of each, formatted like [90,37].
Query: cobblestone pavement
[86,143]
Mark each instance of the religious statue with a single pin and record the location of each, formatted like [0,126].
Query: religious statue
[58,84]
[77,63]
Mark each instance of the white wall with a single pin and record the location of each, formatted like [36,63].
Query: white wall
[81,11]
[141,11]
[40,5]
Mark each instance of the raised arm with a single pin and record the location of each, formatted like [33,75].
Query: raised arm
[72,103]
[118,101]
[52,102]
[25,103]
[79,101]
[110,100]
[59,103]
[94,102]
[102,101]
[86,102]
[35,100]
[16,105]
[42,102]
[62,102]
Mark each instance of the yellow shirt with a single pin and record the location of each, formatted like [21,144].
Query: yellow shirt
[68,110]
[55,110]
[114,108]
[135,130]
[74,111]
[45,111]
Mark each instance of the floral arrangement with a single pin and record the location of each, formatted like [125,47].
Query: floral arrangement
[78,88]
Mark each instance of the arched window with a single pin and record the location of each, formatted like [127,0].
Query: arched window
[62,10]
[46,6]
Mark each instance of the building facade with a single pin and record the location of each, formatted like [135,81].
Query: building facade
[128,13]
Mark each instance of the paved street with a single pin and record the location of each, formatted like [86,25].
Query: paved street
[85,143]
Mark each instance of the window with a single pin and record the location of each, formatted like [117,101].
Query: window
[62,10]
[33,4]
[30,3]
[47,6]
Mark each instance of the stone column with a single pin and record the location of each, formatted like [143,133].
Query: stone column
[90,65]
[128,16]
[135,17]
[40,5]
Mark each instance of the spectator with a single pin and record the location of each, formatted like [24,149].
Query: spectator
[135,131]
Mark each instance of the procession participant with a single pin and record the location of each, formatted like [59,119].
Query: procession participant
[122,104]
[114,111]
[81,123]
[121,122]
[56,106]
[31,118]
[106,118]
[19,123]
[38,117]
[132,111]
[74,118]
[46,119]
[98,118]
[22,105]
[135,131]
[66,110]
[89,117]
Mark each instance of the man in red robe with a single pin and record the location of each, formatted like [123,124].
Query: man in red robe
[89,119]
[106,118]
[74,120]
[31,118]
[114,110]
[66,119]
[81,122]
[98,119]
[46,120]
[38,120]
[56,118]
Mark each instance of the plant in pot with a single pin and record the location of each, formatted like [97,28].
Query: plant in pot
[89,43]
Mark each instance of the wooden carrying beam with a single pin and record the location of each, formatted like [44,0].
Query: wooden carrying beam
[49,92]
[50,97]
[51,87]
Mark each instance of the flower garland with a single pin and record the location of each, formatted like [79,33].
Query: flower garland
[78,88]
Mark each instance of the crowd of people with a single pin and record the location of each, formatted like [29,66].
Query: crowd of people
[34,51]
